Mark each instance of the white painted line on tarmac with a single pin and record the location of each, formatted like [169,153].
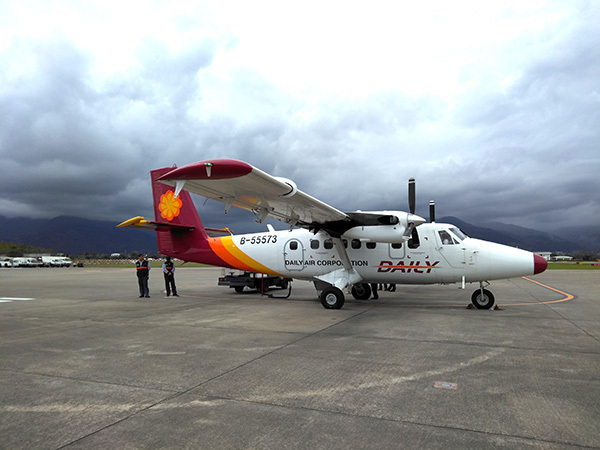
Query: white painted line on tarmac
[13,299]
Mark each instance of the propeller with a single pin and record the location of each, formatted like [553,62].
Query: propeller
[412,200]
[411,195]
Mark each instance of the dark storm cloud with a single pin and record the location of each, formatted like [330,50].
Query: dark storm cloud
[522,149]
[71,145]
[538,140]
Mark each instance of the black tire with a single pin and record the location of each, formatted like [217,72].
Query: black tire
[482,302]
[284,284]
[361,291]
[261,285]
[332,298]
[239,289]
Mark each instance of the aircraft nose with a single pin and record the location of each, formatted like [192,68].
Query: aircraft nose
[539,264]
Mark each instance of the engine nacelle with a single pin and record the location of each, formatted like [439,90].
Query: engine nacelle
[382,233]
[390,227]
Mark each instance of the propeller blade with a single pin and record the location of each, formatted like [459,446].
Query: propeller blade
[432,211]
[411,195]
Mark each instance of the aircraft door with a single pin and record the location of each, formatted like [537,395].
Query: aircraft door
[452,250]
[397,251]
[293,255]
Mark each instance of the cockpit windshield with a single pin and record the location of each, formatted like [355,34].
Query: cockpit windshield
[459,234]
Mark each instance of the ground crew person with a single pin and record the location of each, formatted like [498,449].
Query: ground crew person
[143,274]
[169,272]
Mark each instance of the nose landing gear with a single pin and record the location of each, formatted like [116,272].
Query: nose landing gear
[482,298]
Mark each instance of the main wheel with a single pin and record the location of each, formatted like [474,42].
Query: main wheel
[361,291]
[261,285]
[238,289]
[332,298]
[485,301]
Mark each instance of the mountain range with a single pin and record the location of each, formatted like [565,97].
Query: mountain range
[77,236]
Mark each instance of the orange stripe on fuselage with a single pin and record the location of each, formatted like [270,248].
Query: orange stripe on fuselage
[232,255]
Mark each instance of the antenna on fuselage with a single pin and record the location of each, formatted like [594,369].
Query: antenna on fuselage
[431,211]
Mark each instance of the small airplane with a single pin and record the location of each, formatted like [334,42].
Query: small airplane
[335,250]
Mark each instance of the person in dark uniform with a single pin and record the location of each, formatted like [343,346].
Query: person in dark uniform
[374,291]
[169,272]
[143,274]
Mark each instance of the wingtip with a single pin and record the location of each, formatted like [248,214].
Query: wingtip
[209,169]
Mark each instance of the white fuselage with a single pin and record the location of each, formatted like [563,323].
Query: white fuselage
[443,255]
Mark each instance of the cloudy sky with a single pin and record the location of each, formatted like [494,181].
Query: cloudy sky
[493,107]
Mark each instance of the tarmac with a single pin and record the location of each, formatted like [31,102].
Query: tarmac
[86,363]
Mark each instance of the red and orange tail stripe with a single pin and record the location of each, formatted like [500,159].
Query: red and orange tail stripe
[232,255]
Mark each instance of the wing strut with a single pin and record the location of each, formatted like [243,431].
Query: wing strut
[339,245]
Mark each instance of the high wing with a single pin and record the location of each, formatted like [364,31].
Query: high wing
[239,184]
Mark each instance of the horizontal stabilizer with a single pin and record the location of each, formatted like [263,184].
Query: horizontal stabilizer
[212,232]
[140,222]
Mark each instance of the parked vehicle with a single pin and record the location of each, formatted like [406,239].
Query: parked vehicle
[6,262]
[25,262]
[239,280]
[51,261]
[65,261]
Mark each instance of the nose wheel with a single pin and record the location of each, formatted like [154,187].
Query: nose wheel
[482,299]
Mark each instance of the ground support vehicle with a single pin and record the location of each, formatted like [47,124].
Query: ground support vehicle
[239,280]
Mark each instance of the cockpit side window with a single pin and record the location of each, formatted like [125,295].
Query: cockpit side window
[446,238]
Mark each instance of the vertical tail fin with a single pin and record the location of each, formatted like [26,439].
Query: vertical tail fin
[181,212]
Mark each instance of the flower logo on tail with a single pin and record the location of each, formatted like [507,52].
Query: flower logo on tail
[169,206]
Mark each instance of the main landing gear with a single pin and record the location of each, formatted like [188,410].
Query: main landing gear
[482,298]
[332,298]
[361,291]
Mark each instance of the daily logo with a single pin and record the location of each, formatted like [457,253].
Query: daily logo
[169,206]
[414,266]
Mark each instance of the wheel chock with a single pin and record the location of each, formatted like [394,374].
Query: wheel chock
[470,306]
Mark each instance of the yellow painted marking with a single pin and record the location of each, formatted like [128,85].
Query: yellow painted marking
[566,297]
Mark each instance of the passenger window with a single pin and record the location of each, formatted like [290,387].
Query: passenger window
[371,245]
[328,244]
[397,246]
[314,244]
[446,238]
[414,242]
[355,244]
[294,245]
[345,241]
